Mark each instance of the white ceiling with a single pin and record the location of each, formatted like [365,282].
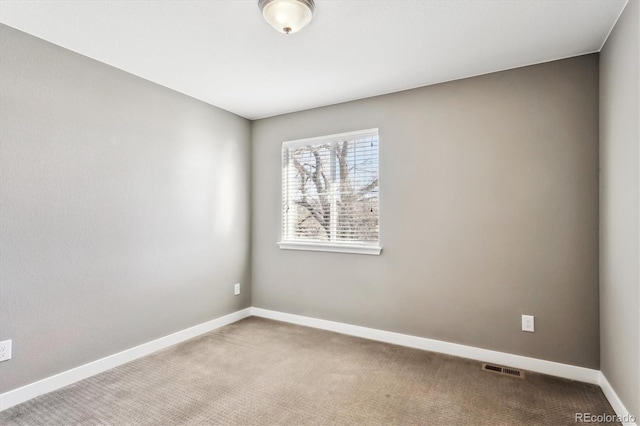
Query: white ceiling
[224,53]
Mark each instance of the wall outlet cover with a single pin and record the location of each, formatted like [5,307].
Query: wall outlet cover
[528,323]
[236,289]
[5,350]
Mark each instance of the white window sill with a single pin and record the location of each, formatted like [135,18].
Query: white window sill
[337,248]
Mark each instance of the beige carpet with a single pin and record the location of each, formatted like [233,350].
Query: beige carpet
[264,372]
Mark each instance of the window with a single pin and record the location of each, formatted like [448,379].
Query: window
[330,192]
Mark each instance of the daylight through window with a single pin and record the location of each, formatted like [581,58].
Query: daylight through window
[330,193]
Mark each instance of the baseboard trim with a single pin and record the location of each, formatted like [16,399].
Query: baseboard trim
[32,390]
[615,402]
[27,392]
[532,364]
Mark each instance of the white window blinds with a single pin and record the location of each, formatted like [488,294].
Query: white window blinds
[330,190]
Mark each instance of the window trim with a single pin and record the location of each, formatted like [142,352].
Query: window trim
[374,248]
[336,248]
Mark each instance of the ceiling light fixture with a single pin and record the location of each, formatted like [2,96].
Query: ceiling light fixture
[287,16]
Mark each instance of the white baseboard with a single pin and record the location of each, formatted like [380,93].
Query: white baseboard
[25,393]
[615,402]
[532,364]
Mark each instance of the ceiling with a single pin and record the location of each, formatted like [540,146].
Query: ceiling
[223,52]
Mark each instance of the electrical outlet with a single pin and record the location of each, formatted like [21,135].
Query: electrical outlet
[528,323]
[236,289]
[5,350]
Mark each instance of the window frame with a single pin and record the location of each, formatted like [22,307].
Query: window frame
[370,248]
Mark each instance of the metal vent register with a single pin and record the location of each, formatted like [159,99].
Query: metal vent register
[503,370]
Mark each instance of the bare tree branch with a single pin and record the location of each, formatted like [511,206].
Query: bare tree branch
[316,215]
[367,189]
[317,176]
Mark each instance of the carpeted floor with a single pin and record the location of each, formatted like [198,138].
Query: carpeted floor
[264,372]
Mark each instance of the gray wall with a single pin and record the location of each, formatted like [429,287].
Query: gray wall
[620,208]
[489,210]
[124,209]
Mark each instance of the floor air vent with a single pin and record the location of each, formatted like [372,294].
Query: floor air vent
[503,370]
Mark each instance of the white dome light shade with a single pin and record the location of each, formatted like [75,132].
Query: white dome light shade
[287,16]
